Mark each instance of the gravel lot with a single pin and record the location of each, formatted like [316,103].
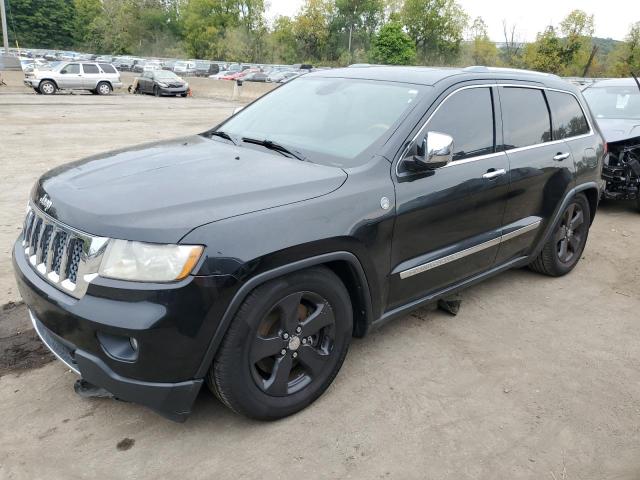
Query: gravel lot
[535,378]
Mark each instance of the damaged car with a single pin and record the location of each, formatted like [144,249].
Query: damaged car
[616,107]
[247,257]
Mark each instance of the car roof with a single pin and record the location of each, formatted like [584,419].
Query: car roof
[433,75]
[614,82]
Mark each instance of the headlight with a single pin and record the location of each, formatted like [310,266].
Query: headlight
[162,84]
[186,85]
[148,262]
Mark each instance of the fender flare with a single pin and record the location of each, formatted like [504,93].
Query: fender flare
[557,217]
[263,277]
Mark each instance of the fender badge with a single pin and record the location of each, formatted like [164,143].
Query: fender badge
[385,203]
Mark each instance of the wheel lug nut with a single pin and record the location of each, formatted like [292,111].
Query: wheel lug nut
[298,329]
[285,335]
[304,341]
[294,354]
[283,351]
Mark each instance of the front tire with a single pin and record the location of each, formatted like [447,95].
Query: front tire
[563,250]
[285,345]
[47,87]
[156,91]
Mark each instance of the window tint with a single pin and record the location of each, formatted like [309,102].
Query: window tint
[90,68]
[568,118]
[525,117]
[468,117]
[71,69]
[106,68]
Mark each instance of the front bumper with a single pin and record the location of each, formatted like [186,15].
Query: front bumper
[172,400]
[172,326]
[173,90]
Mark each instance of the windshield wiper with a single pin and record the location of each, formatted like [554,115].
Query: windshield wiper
[271,145]
[222,134]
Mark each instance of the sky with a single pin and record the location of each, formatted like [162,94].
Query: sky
[612,17]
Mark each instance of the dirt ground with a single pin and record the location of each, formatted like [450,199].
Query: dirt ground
[536,378]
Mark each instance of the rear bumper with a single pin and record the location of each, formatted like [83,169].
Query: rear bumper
[172,400]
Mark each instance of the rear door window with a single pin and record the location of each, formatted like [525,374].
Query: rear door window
[525,117]
[90,68]
[467,116]
[567,115]
[106,68]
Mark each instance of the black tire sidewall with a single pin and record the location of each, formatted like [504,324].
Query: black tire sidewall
[100,85]
[562,267]
[233,370]
[49,83]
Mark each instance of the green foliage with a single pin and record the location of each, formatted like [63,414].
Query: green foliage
[323,32]
[625,58]
[35,23]
[436,26]
[480,50]
[392,46]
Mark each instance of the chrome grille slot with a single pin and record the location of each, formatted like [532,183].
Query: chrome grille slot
[65,257]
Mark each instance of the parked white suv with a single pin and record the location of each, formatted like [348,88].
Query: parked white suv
[97,77]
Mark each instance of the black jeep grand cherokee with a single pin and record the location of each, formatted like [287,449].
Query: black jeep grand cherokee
[247,256]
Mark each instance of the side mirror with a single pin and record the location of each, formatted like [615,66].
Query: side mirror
[435,151]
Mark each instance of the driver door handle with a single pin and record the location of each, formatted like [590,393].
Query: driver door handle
[561,156]
[493,173]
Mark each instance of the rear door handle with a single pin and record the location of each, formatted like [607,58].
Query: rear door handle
[491,174]
[561,156]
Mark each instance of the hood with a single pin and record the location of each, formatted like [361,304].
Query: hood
[615,129]
[159,192]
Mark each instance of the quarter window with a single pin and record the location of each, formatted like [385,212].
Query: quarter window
[525,117]
[567,115]
[467,116]
[106,68]
[90,68]
[72,68]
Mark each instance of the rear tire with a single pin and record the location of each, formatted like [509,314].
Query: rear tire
[47,87]
[284,346]
[104,88]
[563,250]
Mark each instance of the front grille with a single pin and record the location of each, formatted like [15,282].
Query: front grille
[65,257]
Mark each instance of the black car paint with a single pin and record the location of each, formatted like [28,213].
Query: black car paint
[207,191]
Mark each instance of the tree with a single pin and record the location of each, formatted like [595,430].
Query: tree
[436,26]
[546,53]
[392,46]
[482,50]
[355,22]
[282,41]
[38,23]
[577,29]
[311,28]
[512,49]
[625,58]
[88,14]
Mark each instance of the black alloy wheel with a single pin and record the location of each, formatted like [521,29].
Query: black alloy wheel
[284,346]
[563,250]
[570,233]
[293,343]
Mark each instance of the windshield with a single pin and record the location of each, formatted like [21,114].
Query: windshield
[331,120]
[614,102]
[165,75]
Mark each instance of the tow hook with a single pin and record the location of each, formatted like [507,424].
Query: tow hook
[89,390]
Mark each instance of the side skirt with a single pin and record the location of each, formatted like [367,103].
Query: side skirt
[404,309]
